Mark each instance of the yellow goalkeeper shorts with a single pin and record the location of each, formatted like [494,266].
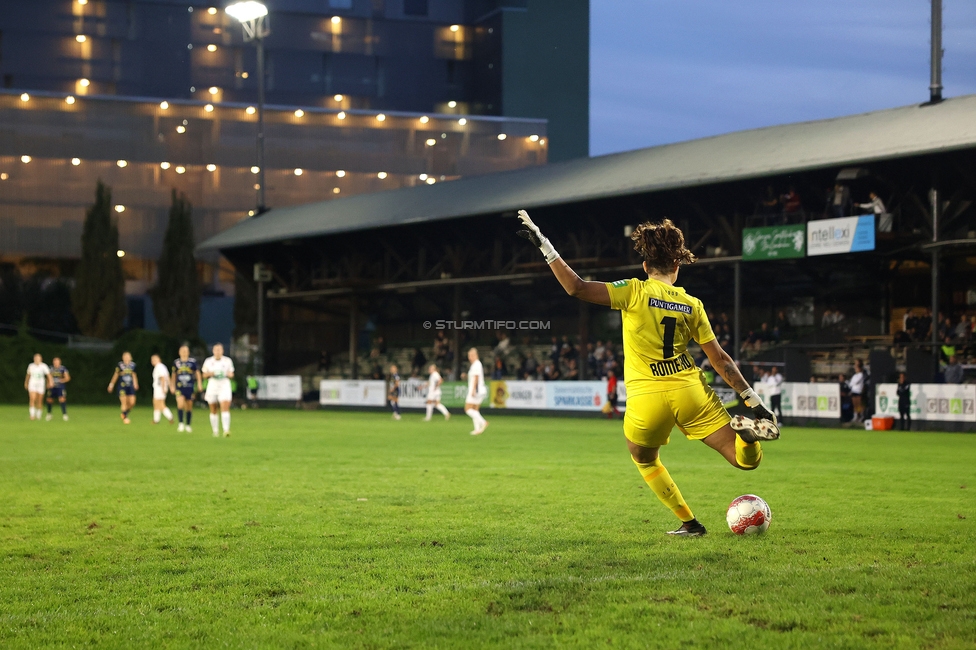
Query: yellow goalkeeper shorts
[695,409]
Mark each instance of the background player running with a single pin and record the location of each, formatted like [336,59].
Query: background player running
[664,387]
[477,391]
[434,394]
[394,394]
[160,385]
[59,377]
[128,380]
[36,383]
[184,383]
[218,370]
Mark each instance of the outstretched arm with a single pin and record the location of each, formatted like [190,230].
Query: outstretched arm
[595,292]
[725,366]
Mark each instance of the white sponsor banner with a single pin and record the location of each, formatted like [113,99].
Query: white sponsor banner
[844,235]
[516,394]
[351,392]
[280,388]
[803,400]
[930,402]
[576,395]
[413,393]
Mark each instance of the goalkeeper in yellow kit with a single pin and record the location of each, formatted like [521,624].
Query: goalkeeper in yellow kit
[664,386]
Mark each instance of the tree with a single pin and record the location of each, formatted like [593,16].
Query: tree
[176,296]
[98,299]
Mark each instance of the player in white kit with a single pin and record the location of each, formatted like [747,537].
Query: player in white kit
[36,383]
[434,394]
[160,386]
[477,391]
[218,370]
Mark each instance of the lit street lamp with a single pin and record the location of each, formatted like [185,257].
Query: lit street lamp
[253,17]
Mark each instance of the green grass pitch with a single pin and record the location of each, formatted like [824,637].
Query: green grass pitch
[340,529]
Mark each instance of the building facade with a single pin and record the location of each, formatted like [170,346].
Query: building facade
[521,58]
[152,96]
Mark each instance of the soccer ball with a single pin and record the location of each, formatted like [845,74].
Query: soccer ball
[748,515]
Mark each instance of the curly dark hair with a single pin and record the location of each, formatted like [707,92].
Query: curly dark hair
[662,245]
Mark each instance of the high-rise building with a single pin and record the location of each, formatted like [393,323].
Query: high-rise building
[153,96]
[518,58]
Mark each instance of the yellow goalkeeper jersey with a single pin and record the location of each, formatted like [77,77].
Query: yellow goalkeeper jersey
[658,322]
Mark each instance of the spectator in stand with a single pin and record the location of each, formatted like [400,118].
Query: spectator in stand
[530,367]
[953,371]
[904,403]
[827,319]
[590,361]
[765,334]
[377,371]
[440,348]
[504,344]
[554,351]
[725,337]
[846,412]
[769,204]
[752,342]
[857,390]
[783,326]
[325,361]
[876,206]
[840,200]
[572,371]
[551,372]
[612,394]
[961,331]
[498,369]
[775,390]
[791,202]
[380,345]
[418,363]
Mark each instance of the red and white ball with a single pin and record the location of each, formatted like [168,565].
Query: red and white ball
[748,515]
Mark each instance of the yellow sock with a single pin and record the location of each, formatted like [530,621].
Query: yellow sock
[747,454]
[657,478]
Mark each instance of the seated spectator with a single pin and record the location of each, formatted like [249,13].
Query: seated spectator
[504,344]
[590,360]
[827,319]
[530,367]
[377,371]
[572,372]
[551,372]
[599,350]
[764,334]
[380,344]
[325,361]
[953,371]
[554,351]
[961,331]
[418,363]
[498,369]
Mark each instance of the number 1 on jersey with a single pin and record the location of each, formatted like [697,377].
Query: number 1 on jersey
[669,322]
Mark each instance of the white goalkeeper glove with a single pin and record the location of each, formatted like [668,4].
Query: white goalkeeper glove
[759,410]
[531,232]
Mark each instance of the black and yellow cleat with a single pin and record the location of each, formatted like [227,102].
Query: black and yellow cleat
[693,528]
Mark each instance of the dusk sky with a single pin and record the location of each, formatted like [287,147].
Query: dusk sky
[670,70]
